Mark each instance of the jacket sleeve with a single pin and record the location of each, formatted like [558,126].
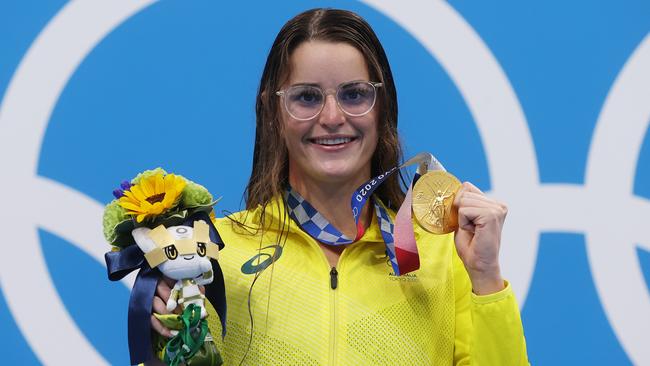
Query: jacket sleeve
[488,328]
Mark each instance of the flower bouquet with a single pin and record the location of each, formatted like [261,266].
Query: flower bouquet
[161,224]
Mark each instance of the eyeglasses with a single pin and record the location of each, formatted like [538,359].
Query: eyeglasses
[304,102]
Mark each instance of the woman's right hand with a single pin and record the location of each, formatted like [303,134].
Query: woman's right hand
[163,291]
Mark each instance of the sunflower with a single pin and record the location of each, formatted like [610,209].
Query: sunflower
[152,195]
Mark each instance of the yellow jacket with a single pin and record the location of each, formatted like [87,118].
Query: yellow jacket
[371,317]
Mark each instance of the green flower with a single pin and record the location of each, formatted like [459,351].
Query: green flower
[147,174]
[195,195]
[113,215]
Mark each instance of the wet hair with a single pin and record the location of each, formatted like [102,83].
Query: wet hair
[270,171]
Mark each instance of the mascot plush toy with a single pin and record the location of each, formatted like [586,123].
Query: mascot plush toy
[160,224]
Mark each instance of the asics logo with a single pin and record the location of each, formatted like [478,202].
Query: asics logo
[262,260]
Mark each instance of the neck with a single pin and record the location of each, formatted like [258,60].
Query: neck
[332,200]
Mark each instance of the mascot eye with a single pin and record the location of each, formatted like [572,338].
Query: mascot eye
[171,252]
[200,249]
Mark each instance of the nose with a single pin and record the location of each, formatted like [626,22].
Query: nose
[331,115]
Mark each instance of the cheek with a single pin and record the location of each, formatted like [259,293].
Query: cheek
[371,131]
[372,138]
[291,136]
[293,132]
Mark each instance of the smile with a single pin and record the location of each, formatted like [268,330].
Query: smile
[332,141]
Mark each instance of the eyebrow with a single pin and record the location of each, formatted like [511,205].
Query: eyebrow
[319,86]
[306,84]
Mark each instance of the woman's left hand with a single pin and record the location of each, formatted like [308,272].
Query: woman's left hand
[478,238]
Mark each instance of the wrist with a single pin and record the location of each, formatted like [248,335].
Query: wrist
[485,283]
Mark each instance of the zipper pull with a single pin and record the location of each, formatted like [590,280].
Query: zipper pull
[334,279]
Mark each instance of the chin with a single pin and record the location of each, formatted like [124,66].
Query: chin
[342,174]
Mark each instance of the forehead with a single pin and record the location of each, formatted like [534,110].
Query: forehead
[327,64]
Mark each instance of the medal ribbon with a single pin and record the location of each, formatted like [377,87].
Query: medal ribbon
[400,246]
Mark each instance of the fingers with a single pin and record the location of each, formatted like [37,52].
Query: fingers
[476,209]
[468,217]
[474,200]
[159,328]
[169,281]
[470,199]
[479,216]
[470,196]
[467,187]
[160,308]
[163,291]
[471,188]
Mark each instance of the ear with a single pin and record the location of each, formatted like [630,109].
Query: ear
[141,237]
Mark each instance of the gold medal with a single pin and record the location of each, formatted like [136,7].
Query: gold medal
[433,198]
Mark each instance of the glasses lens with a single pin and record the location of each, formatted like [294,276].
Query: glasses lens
[304,101]
[356,98]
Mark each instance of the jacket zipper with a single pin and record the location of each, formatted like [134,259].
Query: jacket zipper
[333,325]
[334,285]
[334,278]
[334,290]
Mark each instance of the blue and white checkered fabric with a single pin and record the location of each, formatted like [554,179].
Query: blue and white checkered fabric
[312,221]
[387,229]
[320,229]
[317,226]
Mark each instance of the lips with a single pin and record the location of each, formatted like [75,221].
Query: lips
[332,141]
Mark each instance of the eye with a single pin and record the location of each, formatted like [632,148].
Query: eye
[200,249]
[171,252]
[355,93]
[305,95]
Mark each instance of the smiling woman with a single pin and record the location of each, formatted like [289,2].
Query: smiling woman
[309,278]
[329,154]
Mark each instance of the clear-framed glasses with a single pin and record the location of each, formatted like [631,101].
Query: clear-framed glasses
[305,101]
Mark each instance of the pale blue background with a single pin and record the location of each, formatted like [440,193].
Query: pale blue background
[175,86]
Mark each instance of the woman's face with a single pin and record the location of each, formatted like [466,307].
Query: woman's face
[332,147]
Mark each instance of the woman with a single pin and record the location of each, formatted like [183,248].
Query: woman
[327,123]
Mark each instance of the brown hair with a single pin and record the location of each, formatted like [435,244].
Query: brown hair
[270,172]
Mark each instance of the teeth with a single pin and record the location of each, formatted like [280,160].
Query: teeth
[336,141]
